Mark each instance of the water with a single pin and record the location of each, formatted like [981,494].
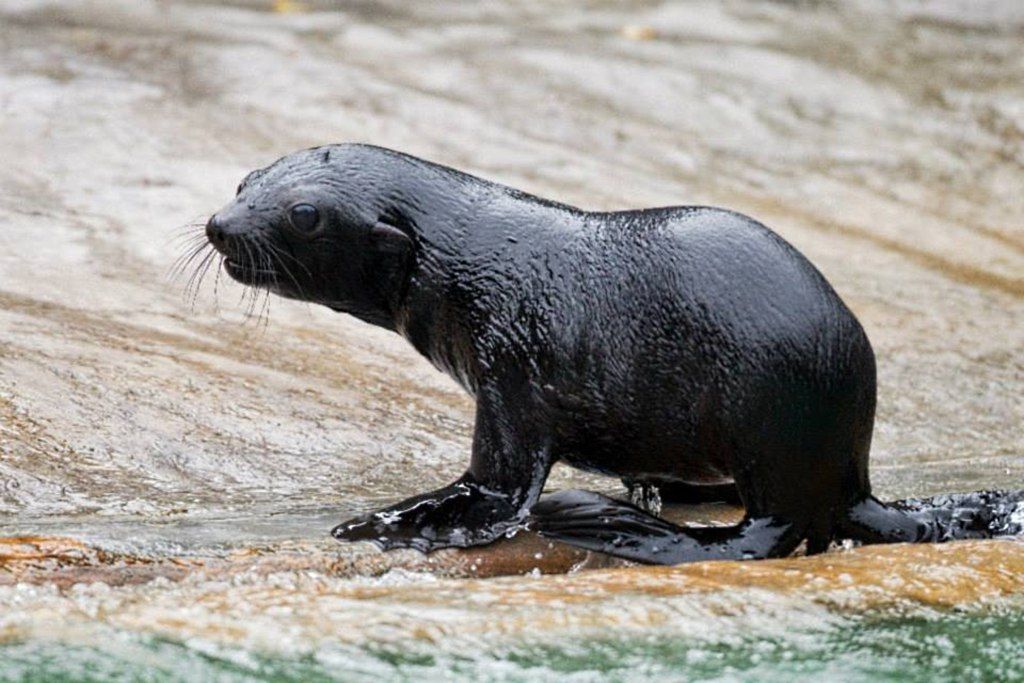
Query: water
[893,612]
[947,647]
[178,467]
[980,644]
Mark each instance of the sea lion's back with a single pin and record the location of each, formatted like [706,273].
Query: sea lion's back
[709,273]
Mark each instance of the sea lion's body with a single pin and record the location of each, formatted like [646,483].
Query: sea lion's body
[681,344]
[686,346]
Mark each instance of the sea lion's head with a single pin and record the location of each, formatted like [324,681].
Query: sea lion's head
[319,225]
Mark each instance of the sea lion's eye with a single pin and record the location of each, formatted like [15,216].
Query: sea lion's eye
[304,217]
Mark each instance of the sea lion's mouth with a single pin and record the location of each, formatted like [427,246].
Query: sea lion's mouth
[249,273]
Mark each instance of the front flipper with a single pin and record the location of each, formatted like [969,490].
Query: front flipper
[460,515]
[511,459]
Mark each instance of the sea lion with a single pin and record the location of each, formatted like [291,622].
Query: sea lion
[680,347]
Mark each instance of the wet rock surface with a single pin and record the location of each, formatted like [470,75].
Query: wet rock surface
[891,156]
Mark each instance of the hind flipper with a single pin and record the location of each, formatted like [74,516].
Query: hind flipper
[984,514]
[997,513]
[595,522]
[872,521]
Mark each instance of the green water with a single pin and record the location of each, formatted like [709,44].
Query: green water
[939,647]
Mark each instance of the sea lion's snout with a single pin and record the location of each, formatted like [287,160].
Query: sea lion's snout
[245,255]
[217,235]
[227,239]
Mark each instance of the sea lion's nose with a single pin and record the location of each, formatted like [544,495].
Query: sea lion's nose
[215,232]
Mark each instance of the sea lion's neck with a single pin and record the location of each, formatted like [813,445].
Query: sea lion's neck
[471,241]
[439,333]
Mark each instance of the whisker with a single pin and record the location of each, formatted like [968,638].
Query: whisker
[216,286]
[276,254]
[244,294]
[196,227]
[260,290]
[264,312]
[297,261]
[186,240]
[279,253]
[263,259]
[180,264]
[202,276]
[196,269]
[196,279]
[252,291]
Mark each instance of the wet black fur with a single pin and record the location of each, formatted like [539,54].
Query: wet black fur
[686,347]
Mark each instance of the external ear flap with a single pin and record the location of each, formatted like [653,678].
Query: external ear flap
[389,239]
[390,266]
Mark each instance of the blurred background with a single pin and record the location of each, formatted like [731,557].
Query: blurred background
[140,428]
